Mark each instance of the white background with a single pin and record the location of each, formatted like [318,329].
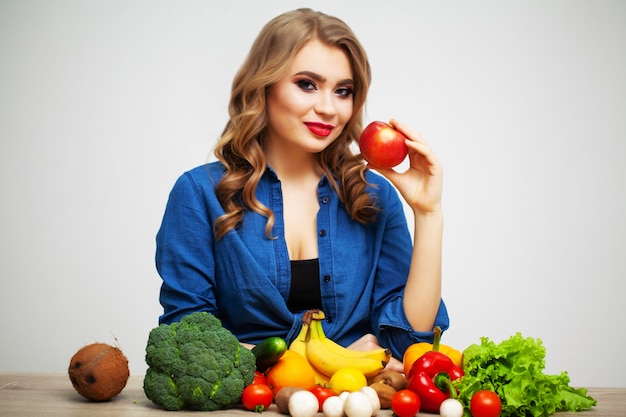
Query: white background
[104,104]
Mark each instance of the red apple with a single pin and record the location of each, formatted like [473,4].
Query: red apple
[382,146]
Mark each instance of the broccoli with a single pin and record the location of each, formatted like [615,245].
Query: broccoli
[196,364]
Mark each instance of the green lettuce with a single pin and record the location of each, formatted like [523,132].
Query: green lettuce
[514,370]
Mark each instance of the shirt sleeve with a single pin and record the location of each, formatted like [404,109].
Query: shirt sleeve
[389,321]
[184,254]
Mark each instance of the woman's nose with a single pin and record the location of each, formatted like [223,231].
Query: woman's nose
[325,104]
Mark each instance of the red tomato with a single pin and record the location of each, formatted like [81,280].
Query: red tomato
[259,378]
[485,403]
[322,393]
[382,146]
[405,403]
[257,397]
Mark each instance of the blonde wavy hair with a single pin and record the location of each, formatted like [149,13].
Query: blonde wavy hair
[240,146]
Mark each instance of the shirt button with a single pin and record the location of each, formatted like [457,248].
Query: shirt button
[325,200]
[326,278]
[322,233]
[329,319]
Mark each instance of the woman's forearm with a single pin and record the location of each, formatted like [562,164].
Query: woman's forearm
[423,288]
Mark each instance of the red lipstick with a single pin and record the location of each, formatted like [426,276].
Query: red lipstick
[319,129]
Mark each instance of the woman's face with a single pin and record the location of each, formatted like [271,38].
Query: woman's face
[309,107]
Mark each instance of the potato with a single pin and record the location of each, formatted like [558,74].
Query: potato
[393,378]
[282,398]
[385,393]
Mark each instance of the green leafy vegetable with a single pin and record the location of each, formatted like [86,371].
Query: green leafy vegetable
[514,370]
[196,364]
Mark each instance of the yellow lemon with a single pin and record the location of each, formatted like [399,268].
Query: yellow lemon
[347,379]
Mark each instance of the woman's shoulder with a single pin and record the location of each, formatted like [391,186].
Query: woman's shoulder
[194,190]
[377,183]
[385,195]
[200,180]
[210,172]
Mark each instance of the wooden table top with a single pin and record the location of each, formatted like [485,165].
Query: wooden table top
[52,395]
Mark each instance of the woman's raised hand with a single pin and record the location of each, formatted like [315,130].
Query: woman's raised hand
[422,183]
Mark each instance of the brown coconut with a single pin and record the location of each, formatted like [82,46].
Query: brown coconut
[99,371]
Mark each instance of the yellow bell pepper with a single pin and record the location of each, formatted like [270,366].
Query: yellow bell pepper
[416,350]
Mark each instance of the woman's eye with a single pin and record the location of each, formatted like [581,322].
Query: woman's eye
[345,92]
[306,85]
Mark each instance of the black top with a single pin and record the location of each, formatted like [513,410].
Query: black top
[305,293]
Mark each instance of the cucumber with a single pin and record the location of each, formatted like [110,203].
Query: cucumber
[268,352]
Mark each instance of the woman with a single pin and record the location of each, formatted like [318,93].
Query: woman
[290,219]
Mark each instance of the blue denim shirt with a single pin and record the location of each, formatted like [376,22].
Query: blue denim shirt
[244,278]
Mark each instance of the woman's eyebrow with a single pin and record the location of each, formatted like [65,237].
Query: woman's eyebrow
[319,78]
[314,75]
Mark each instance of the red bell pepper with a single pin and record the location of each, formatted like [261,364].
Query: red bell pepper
[430,378]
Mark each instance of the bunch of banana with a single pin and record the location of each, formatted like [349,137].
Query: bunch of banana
[299,346]
[328,357]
